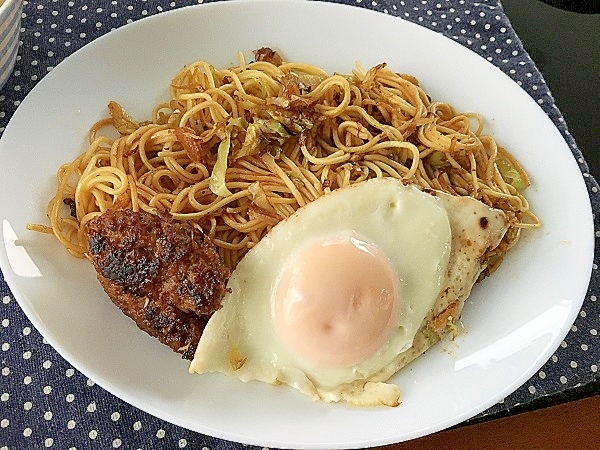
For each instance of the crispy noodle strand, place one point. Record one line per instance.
(276, 137)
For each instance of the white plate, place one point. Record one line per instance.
(514, 320)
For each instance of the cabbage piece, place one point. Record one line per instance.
(217, 184)
(273, 129)
(261, 136)
(437, 159)
(121, 119)
(259, 196)
(261, 208)
(511, 175)
(252, 143)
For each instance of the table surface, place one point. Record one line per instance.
(563, 43)
(45, 402)
(568, 425)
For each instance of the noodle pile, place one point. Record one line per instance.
(237, 150)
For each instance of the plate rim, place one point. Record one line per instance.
(219, 5)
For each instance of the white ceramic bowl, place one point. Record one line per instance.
(10, 25)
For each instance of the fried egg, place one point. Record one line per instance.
(336, 298)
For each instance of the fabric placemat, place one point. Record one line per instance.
(45, 403)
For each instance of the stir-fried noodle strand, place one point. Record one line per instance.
(237, 150)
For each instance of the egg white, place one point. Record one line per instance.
(409, 226)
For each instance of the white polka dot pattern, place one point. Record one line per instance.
(45, 403)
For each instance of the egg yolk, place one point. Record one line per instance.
(336, 303)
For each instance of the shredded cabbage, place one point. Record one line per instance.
(259, 196)
(273, 128)
(122, 121)
(251, 143)
(510, 174)
(269, 130)
(436, 159)
(217, 184)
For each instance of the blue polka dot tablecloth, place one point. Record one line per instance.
(46, 403)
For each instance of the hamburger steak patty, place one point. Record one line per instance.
(163, 274)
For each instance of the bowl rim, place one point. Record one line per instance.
(5, 5)
(10, 30)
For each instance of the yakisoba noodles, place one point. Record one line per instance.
(237, 150)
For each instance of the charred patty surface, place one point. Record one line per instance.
(165, 275)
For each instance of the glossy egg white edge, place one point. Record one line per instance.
(513, 321)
